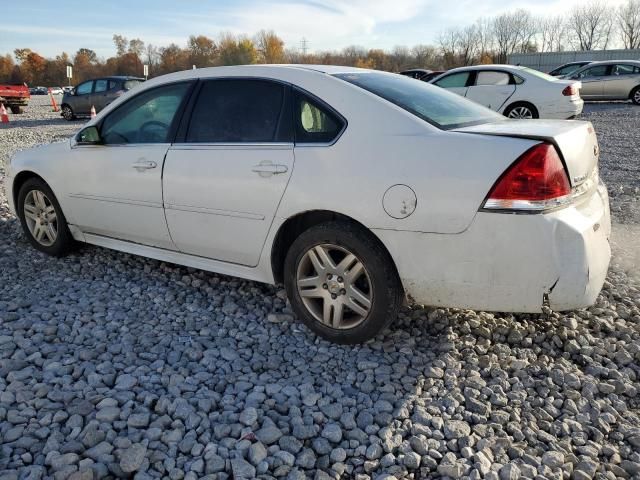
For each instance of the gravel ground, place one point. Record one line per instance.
(115, 365)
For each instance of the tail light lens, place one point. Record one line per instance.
(536, 181)
(570, 90)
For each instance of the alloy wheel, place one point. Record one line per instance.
(521, 113)
(636, 97)
(67, 113)
(334, 286)
(40, 216)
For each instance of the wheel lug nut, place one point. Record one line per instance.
(334, 296)
(343, 291)
(329, 276)
(325, 286)
(340, 279)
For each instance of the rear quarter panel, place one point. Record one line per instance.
(383, 145)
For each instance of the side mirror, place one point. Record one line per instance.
(88, 136)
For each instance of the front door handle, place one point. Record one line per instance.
(144, 165)
(266, 169)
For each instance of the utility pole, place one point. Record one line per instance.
(304, 45)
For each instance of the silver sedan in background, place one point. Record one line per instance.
(610, 80)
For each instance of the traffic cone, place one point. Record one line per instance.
(4, 118)
(53, 101)
(93, 111)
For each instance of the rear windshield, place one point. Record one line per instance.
(433, 104)
(129, 84)
(538, 73)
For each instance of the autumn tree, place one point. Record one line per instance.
(270, 47)
(6, 67)
(236, 51)
(121, 43)
(202, 51)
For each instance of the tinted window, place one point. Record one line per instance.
(454, 80)
(84, 88)
(231, 111)
(597, 71)
(315, 123)
(145, 118)
(625, 70)
(492, 78)
(114, 84)
(435, 105)
(567, 69)
(101, 86)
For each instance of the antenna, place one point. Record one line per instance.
(304, 45)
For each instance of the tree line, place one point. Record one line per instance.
(590, 25)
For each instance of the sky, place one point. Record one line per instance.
(50, 27)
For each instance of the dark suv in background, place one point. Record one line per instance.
(97, 93)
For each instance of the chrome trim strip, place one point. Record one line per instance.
(233, 146)
(125, 201)
(213, 211)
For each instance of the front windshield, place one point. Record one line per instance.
(433, 104)
(538, 73)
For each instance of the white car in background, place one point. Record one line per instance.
(355, 188)
(516, 92)
(56, 90)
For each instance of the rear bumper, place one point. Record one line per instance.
(510, 262)
(562, 110)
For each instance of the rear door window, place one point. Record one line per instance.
(492, 78)
(455, 80)
(239, 111)
(101, 86)
(113, 84)
(625, 69)
(129, 84)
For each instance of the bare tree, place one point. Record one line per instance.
(484, 35)
(553, 31)
(591, 25)
(467, 44)
(513, 32)
(448, 42)
(425, 56)
(628, 16)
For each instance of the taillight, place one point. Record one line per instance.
(536, 181)
(570, 90)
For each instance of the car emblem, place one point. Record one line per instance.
(596, 150)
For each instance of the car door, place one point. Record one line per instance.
(224, 179)
(456, 82)
(115, 187)
(82, 98)
(491, 88)
(621, 80)
(99, 97)
(593, 79)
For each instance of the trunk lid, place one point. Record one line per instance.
(575, 141)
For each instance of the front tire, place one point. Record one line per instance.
(521, 111)
(635, 95)
(67, 113)
(42, 219)
(16, 109)
(342, 283)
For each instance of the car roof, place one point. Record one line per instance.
(422, 70)
(498, 66)
(614, 62)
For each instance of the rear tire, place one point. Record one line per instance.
(348, 295)
(16, 109)
(67, 113)
(42, 219)
(522, 111)
(635, 95)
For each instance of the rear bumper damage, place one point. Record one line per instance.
(510, 262)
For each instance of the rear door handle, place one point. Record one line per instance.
(266, 169)
(144, 165)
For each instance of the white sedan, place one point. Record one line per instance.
(355, 188)
(516, 92)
